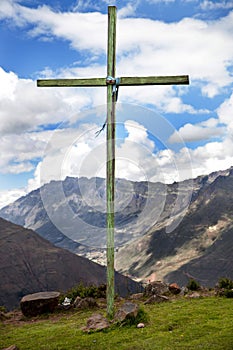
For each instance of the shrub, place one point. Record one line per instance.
(193, 285)
(3, 309)
(225, 283)
(228, 293)
(87, 291)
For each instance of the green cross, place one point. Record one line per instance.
(112, 85)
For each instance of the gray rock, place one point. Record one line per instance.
(96, 322)
(126, 311)
(86, 303)
(39, 303)
(194, 295)
(77, 300)
(156, 299)
(156, 287)
(174, 288)
(184, 291)
(12, 347)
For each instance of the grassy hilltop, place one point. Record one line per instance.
(204, 323)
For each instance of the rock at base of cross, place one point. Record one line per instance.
(126, 311)
(39, 303)
(96, 322)
(12, 347)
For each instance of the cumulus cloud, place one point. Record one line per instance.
(198, 132)
(202, 49)
(23, 106)
(215, 5)
(225, 114)
(9, 196)
(18, 151)
(145, 46)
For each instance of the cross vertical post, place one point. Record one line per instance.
(112, 83)
(110, 168)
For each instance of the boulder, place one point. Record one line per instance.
(96, 322)
(156, 299)
(126, 311)
(156, 288)
(39, 303)
(174, 288)
(86, 303)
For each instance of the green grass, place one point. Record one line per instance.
(205, 323)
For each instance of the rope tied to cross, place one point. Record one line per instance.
(115, 82)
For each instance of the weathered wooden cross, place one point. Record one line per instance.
(112, 84)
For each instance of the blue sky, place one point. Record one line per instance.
(165, 133)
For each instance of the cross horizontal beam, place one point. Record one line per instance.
(124, 81)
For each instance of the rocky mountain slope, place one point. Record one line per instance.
(160, 228)
(200, 247)
(29, 264)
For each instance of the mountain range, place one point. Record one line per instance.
(199, 248)
(168, 232)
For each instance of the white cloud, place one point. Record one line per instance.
(19, 150)
(225, 113)
(215, 5)
(23, 106)
(202, 49)
(197, 132)
(159, 1)
(9, 196)
(128, 10)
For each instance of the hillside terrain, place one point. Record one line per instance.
(166, 232)
(29, 264)
(199, 248)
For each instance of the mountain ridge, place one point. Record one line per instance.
(145, 249)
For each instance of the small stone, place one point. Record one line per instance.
(136, 296)
(77, 300)
(87, 303)
(194, 295)
(140, 325)
(184, 291)
(12, 347)
(156, 299)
